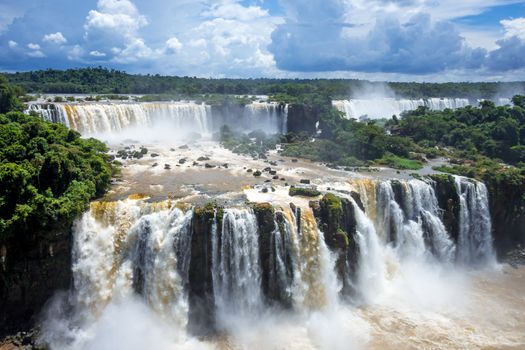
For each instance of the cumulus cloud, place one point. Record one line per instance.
(337, 36)
(121, 16)
(371, 39)
(55, 38)
(75, 53)
(234, 10)
(96, 53)
(511, 49)
(514, 27)
(33, 46)
(36, 54)
(173, 44)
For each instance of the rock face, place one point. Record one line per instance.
(448, 201)
(266, 221)
(302, 118)
(507, 209)
(200, 289)
(336, 219)
(31, 271)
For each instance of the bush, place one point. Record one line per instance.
(48, 174)
(399, 163)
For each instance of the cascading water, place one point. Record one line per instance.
(377, 108)
(408, 216)
(475, 237)
(236, 268)
(135, 250)
(97, 118)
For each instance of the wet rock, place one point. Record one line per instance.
(154, 165)
(182, 161)
(209, 166)
(203, 158)
(167, 166)
(275, 177)
(273, 172)
(305, 181)
(294, 160)
(257, 173)
(153, 155)
(515, 257)
(183, 147)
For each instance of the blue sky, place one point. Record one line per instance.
(403, 40)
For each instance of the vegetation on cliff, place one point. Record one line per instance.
(48, 173)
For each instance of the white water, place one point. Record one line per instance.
(131, 262)
(475, 237)
(377, 108)
(236, 268)
(161, 118)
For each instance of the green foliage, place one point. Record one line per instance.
(399, 163)
(104, 81)
(48, 174)
(495, 132)
(8, 97)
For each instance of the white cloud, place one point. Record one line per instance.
(197, 43)
(121, 16)
(33, 46)
(36, 54)
(12, 44)
(76, 53)
(135, 50)
(514, 27)
(234, 10)
(97, 53)
(173, 44)
(55, 38)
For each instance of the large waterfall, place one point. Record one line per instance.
(249, 259)
(109, 117)
(376, 108)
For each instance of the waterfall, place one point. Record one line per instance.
(408, 215)
(262, 262)
(236, 267)
(315, 284)
(475, 236)
(92, 118)
(268, 116)
(95, 118)
(377, 108)
(371, 270)
(128, 245)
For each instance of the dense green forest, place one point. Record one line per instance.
(105, 81)
(48, 174)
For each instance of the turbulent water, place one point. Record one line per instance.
(376, 108)
(113, 118)
(274, 282)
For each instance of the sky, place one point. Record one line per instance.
(395, 40)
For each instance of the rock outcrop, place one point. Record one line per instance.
(32, 269)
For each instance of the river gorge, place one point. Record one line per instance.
(190, 250)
